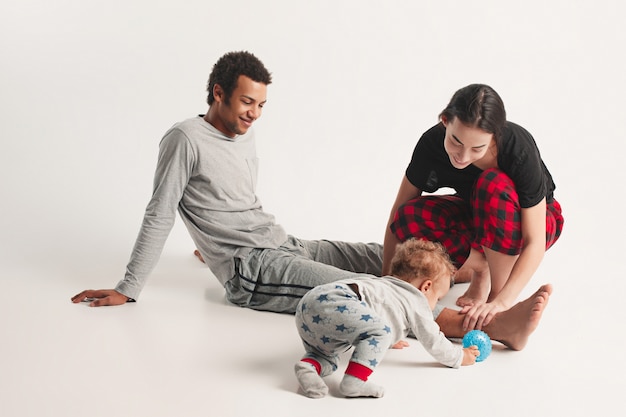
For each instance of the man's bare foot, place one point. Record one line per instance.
(198, 255)
(478, 290)
(513, 327)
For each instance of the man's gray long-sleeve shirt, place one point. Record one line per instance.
(211, 180)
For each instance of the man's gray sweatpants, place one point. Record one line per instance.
(276, 279)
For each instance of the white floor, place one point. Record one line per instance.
(183, 351)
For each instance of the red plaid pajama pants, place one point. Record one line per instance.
(492, 219)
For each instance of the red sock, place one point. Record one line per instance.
(313, 362)
(359, 371)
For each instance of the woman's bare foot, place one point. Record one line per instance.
(513, 327)
(478, 290)
(463, 275)
(198, 255)
(474, 270)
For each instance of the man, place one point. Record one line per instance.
(207, 171)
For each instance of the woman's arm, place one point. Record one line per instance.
(533, 249)
(406, 192)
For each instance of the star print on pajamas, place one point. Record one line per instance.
(342, 309)
(322, 298)
(344, 329)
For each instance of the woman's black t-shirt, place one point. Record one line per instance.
(518, 156)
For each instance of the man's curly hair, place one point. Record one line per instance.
(421, 259)
(230, 66)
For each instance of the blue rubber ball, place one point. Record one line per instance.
(479, 339)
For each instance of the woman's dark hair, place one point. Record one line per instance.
(230, 66)
(477, 105)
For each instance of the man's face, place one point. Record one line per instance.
(236, 114)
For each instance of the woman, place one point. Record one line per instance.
(503, 215)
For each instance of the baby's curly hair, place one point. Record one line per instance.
(230, 66)
(421, 259)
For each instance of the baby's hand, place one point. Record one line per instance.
(469, 355)
(400, 345)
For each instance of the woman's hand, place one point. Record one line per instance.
(481, 314)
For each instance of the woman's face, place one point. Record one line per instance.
(466, 145)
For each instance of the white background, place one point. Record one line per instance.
(87, 88)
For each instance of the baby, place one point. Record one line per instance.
(372, 315)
